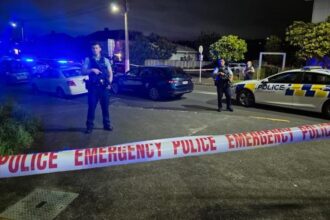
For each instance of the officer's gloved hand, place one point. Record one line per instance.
(96, 71)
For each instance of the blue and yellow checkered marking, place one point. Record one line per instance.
(249, 86)
(308, 90)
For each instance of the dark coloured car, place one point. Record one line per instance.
(14, 71)
(156, 81)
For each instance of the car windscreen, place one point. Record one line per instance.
(72, 73)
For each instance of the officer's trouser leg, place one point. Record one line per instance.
(104, 101)
(220, 95)
(228, 96)
(92, 103)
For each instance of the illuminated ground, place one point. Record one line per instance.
(290, 181)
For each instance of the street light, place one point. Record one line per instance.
(15, 25)
(115, 9)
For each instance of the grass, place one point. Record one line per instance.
(18, 129)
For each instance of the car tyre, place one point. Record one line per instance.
(326, 110)
(245, 98)
(179, 96)
(60, 93)
(154, 94)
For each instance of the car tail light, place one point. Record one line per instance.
(71, 83)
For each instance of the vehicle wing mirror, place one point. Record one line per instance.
(265, 81)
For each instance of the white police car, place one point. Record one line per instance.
(305, 89)
(63, 81)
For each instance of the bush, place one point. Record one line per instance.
(18, 129)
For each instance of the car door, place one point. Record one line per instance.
(132, 80)
(279, 89)
(315, 91)
(41, 80)
(55, 81)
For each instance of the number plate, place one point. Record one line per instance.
(185, 82)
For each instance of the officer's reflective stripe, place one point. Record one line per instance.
(250, 86)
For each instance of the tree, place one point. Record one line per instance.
(151, 47)
(229, 48)
(310, 40)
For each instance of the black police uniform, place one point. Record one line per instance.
(223, 87)
(248, 73)
(97, 86)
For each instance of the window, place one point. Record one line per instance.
(316, 78)
(146, 73)
(290, 77)
(134, 72)
(159, 72)
(45, 74)
(72, 73)
(54, 74)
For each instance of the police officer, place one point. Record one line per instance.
(98, 84)
(223, 77)
(249, 71)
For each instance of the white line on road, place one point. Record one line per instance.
(205, 92)
(194, 131)
(270, 119)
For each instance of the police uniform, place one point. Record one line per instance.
(98, 91)
(223, 85)
(248, 72)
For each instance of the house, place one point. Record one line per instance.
(184, 53)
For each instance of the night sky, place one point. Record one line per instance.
(176, 19)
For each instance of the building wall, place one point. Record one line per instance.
(187, 56)
(321, 10)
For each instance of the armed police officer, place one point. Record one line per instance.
(98, 84)
(223, 77)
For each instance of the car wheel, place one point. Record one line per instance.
(154, 94)
(326, 109)
(179, 96)
(35, 89)
(245, 98)
(115, 88)
(60, 93)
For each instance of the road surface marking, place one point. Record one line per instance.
(270, 119)
(204, 92)
(194, 131)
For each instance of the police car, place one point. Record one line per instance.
(305, 89)
(63, 81)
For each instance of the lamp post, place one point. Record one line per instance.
(115, 9)
(15, 25)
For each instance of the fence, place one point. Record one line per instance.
(176, 63)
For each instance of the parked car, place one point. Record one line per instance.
(305, 89)
(237, 67)
(13, 71)
(62, 81)
(155, 81)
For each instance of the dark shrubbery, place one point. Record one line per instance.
(18, 129)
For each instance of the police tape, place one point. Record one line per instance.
(139, 152)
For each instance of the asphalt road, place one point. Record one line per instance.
(287, 182)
